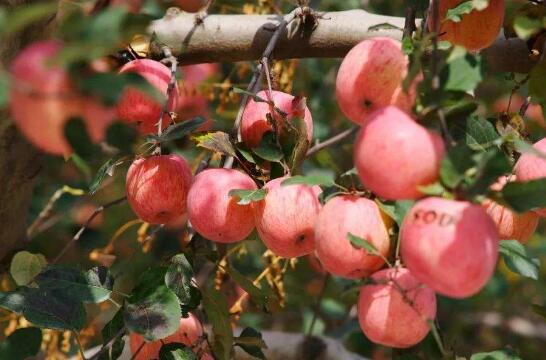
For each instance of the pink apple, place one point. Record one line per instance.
(395, 309)
(371, 76)
(141, 109)
(531, 167)
(361, 217)
(286, 218)
(188, 334)
(394, 155)
(254, 122)
(157, 188)
(42, 97)
(213, 213)
(451, 246)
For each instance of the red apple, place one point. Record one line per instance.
(510, 224)
(42, 97)
(371, 76)
(531, 167)
(451, 246)
(254, 122)
(394, 155)
(139, 108)
(189, 332)
(476, 30)
(286, 218)
(157, 188)
(395, 309)
(361, 217)
(213, 213)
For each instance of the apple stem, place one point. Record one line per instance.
(171, 60)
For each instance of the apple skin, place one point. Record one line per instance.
(157, 188)
(510, 224)
(42, 97)
(371, 76)
(392, 143)
(531, 167)
(213, 213)
(393, 311)
(254, 122)
(286, 217)
(441, 236)
(188, 333)
(192, 102)
(476, 30)
(361, 217)
(190, 5)
(136, 107)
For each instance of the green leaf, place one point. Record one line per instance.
(537, 90)
(176, 351)
(53, 310)
(268, 149)
(13, 301)
(4, 88)
(384, 26)
(121, 136)
(539, 310)
(21, 344)
(93, 286)
(25, 266)
(480, 134)
(490, 166)
(525, 196)
(251, 342)
(505, 354)
(311, 180)
(77, 136)
(248, 196)
(262, 297)
(361, 243)
(526, 27)
(216, 308)
(455, 164)
(113, 327)
(107, 169)
(177, 131)
(396, 211)
(216, 141)
(25, 15)
(293, 139)
(152, 310)
(463, 70)
(455, 14)
(178, 278)
(516, 259)
(434, 189)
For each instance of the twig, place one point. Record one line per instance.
(333, 140)
(409, 25)
(138, 350)
(316, 310)
(525, 106)
(76, 237)
(109, 344)
(171, 59)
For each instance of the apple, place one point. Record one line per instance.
(371, 76)
(394, 155)
(138, 108)
(476, 30)
(213, 213)
(285, 218)
(188, 333)
(531, 167)
(395, 308)
(254, 123)
(451, 246)
(356, 215)
(157, 188)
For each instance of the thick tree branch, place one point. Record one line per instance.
(233, 38)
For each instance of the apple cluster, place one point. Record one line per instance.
(448, 246)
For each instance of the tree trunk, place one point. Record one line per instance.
(19, 161)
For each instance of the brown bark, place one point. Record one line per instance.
(228, 38)
(19, 161)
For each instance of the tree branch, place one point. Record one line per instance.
(231, 38)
